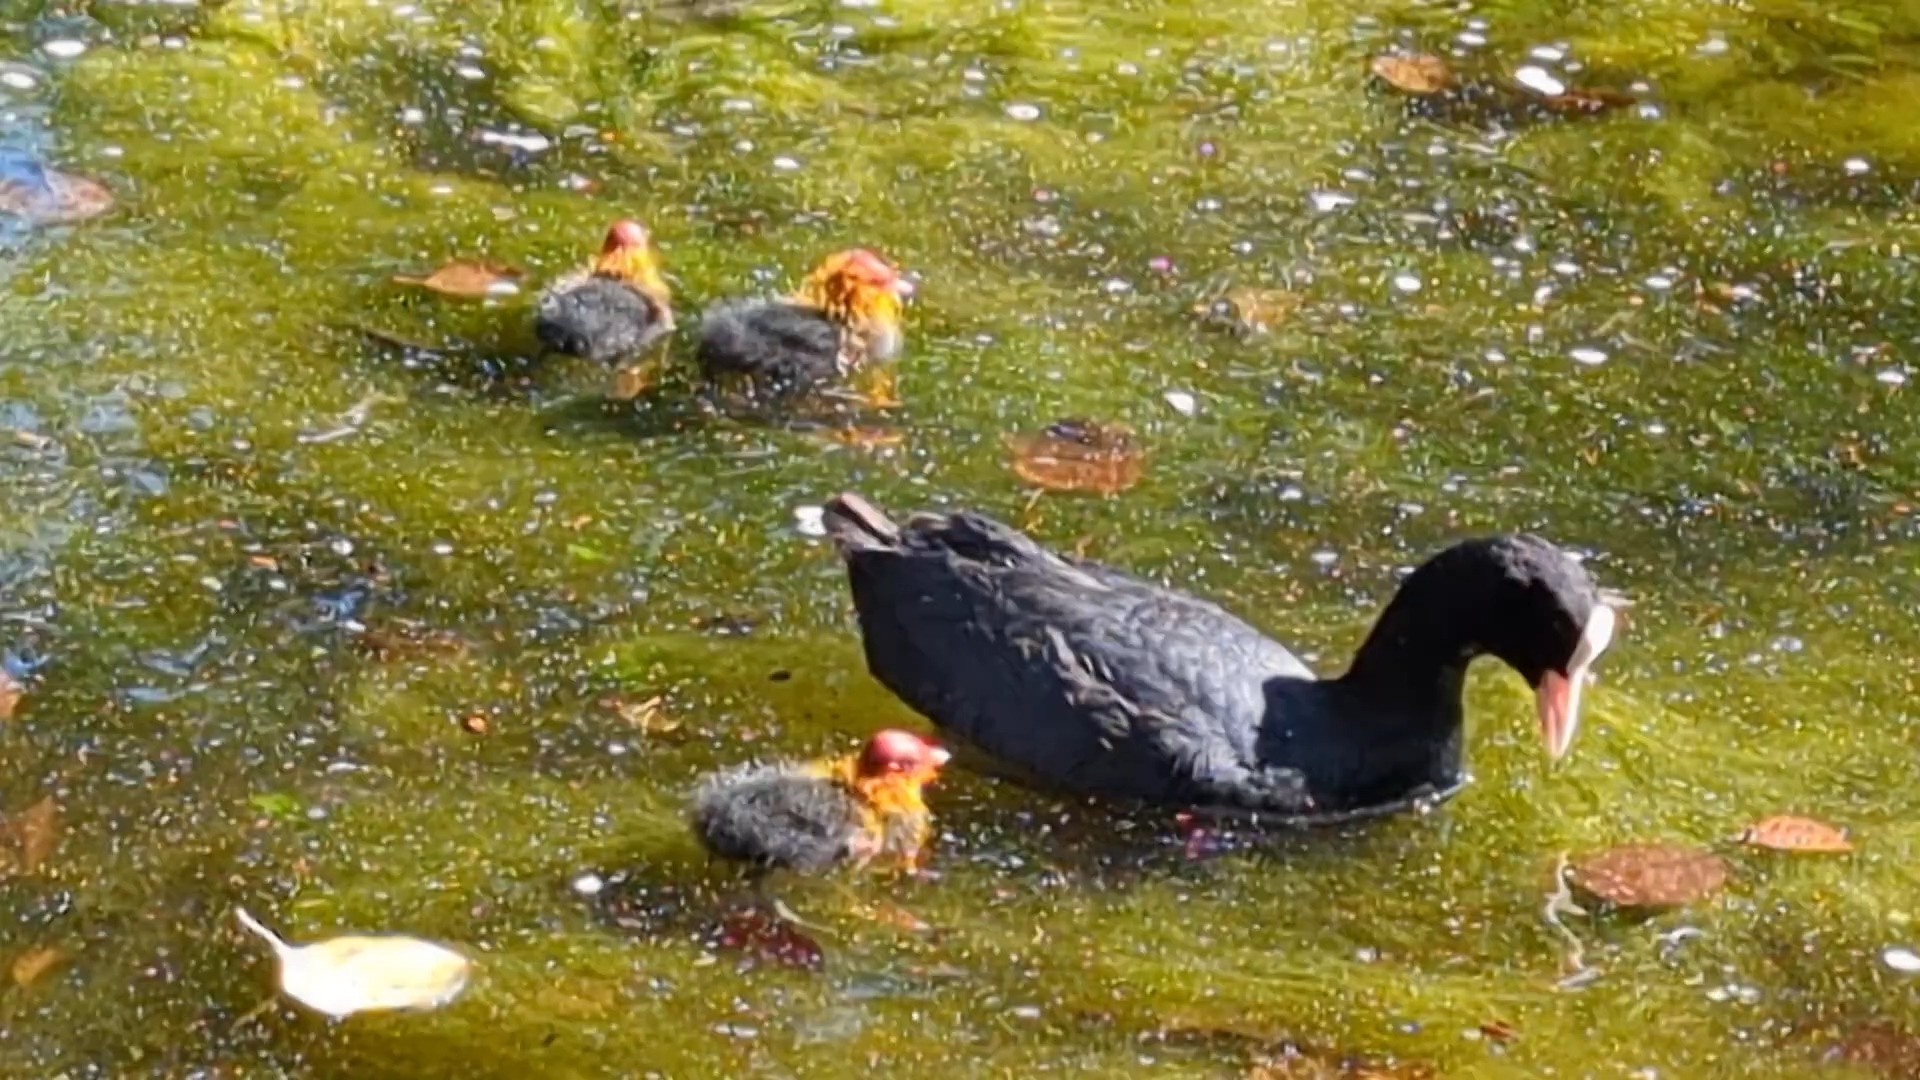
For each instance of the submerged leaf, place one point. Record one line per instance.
(28, 837)
(275, 804)
(10, 693)
(345, 975)
(1589, 102)
(1249, 310)
(46, 196)
(893, 915)
(1419, 74)
(764, 935)
(468, 278)
(1078, 455)
(30, 965)
(867, 437)
(1783, 832)
(649, 715)
(1651, 875)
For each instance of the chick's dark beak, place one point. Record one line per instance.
(1557, 699)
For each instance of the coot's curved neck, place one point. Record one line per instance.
(1416, 656)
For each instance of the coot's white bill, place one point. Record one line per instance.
(1558, 698)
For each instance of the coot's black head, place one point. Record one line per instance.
(1534, 606)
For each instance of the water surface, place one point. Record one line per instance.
(268, 568)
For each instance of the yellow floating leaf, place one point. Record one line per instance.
(346, 975)
(468, 278)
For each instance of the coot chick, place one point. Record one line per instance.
(1089, 680)
(845, 319)
(612, 310)
(810, 816)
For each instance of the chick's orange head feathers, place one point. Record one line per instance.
(893, 752)
(627, 254)
(857, 287)
(625, 233)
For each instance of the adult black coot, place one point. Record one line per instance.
(613, 309)
(1090, 680)
(845, 319)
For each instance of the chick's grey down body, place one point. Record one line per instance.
(601, 319)
(773, 816)
(782, 347)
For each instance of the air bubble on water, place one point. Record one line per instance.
(1901, 959)
(1539, 80)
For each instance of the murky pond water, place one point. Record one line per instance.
(356, 634)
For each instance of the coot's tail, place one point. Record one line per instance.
(857, 525)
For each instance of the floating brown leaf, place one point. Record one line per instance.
(10, 693)
(1078, 455)
(467, 278)
(1783, 832)
(1418, 74)
(1651, 875)
(30, 965)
